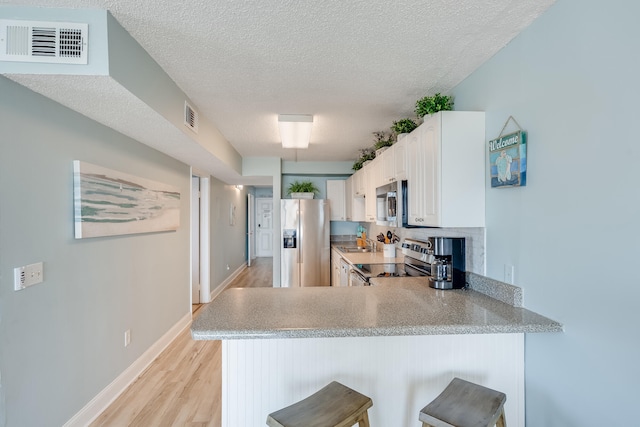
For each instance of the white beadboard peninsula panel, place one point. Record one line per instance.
(400, 374)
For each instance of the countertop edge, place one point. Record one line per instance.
(379, 331)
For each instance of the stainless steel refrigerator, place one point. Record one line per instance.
(304, 232)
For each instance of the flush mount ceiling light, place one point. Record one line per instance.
(295, 130)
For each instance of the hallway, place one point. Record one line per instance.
(182, 387)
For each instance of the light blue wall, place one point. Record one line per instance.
(61, 341)
(317, 168)
(571, 81)
(228, 242)
(263, 192)
(344, 228)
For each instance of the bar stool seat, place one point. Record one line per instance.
(335, 405)
(465, 404)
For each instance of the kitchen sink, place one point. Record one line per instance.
(350, 249)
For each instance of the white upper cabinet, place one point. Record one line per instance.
(372, 175)
(354, 204)
(400, 159)
(336, 197)
(388, 166)
(348, 199)
(445, 170)
(358, 183)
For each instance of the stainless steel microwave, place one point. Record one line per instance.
(388, 205)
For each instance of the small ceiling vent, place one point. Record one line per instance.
(48, 42)
(190, 117)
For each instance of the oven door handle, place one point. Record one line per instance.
(358, 278)
(414, 271)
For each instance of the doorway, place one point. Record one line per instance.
(264, 229)
(251, 252)
(195, 240)
(200, 271)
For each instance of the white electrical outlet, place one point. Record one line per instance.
(509, 273)
(28, 275)
(127, 337)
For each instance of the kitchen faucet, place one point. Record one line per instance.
(372, 243)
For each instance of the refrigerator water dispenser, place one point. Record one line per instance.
(289, 238)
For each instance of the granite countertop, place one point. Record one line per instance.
(369, 257)
(397, 307)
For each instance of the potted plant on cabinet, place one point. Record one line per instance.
(366, 155)
(302, 190)
(403, 127)
(433, 104)
(382, 142)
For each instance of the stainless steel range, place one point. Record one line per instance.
(442, 259)
(361, 273)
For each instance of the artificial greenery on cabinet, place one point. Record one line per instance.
(433, 104)
(382, 139)
(403, 126)
(302, 187)
(366, 154)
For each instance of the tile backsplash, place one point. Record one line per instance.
(475, 240)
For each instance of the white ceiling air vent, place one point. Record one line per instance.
(49, 42)
(190, 117)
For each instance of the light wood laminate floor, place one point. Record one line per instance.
(182, 387)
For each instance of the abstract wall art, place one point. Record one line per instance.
(109, 203)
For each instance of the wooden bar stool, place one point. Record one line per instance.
(465, 404)
(332, 406)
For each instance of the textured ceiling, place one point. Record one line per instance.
(356, 65)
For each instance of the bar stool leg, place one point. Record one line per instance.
(364, 420)
(502, 421)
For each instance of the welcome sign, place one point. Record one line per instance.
(508, 160)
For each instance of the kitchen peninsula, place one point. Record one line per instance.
(400, 343)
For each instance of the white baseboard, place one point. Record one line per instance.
(98, 404)
(222, 286)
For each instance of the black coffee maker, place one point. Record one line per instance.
(448, 264)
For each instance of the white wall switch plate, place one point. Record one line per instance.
(28, 275)
(127, 337)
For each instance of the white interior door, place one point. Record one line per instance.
(264, 229)
(195, 240)
(251, 253)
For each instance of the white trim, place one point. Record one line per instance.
(205, 244)
(102, 400)
(222, 286)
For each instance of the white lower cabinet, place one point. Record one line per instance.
(335, 267)
(446, 170)
(340, 269)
